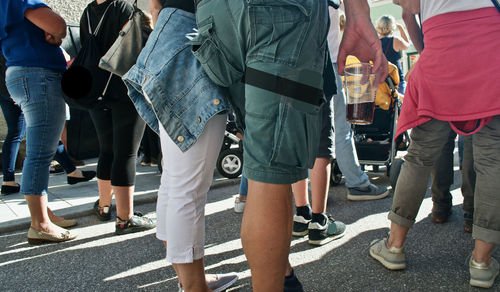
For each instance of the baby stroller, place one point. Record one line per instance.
(374, 143)
(230, 160)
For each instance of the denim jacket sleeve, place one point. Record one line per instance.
(168, 85)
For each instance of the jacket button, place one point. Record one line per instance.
(216, 101)
(144, 79)
(198, 119)
(180, 139)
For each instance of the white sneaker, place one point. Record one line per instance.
(239, 205)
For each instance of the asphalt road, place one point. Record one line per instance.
(100, 261)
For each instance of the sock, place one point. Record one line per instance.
(319, 217)
(304, 211)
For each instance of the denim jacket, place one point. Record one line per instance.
(168, 84)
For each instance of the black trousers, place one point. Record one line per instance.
(119, 129)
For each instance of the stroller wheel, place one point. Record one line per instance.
(230, 163)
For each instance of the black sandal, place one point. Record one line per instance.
(103, 213)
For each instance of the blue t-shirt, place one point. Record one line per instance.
(22, 42)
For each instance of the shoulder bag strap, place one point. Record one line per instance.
(100, 21)
(497, 4)
(77, 49)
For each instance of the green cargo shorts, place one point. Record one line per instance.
(277, 49)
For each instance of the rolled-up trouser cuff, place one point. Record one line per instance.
(400, 220)
(486, 235)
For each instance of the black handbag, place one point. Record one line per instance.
(84, 83)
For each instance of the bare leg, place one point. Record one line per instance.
(192, 276)
(40, 220)
(105, 192)
(75, 173)
(320, 184)
(124, 197)
(300, 193)
(482, 251)
(266, 233)
(53, 217)
(397, 235)
(10, 183)
(288, 269)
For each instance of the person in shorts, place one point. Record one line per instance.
(277, 48)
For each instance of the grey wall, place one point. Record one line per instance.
(71, 10)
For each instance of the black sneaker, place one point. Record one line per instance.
(300, 225)
(321, 234)
(103, 213)
(136, 223)
(292, 284)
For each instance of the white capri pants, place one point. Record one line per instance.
(185, 182)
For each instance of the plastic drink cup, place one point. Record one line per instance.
(360, 92)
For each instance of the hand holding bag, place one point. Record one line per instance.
(124, 52)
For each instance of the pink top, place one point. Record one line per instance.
(457, 77)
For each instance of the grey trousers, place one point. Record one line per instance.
(427, 144)
(442, 177)
(468, 176)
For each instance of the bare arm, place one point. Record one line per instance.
(413, 30)
(361, 40)
(154, 8)
(402, 32)
(401, 43)
(50, 22)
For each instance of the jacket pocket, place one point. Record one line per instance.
(208, 49)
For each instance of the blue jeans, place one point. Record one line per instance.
(243, 184)
(345, 152)
(402, 86)
(15, 132)
(63, 158)
(38, 92)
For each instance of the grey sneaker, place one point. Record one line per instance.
(321, 234)
(481, 274)
(300, 226)
(370, 192)
(392, 258)
(223, 282)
